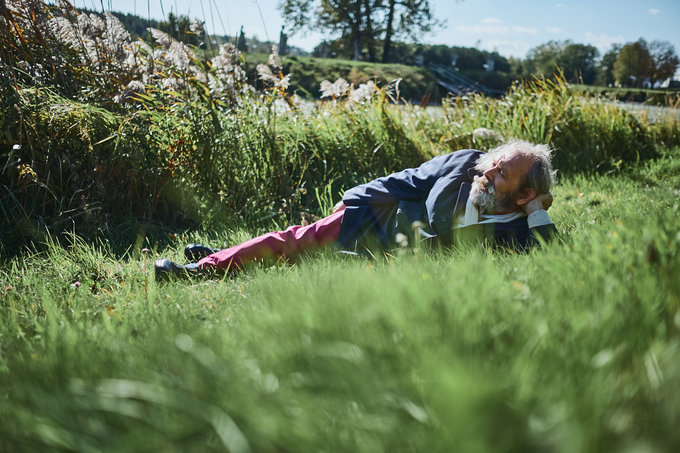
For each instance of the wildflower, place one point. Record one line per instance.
(133, 58)
(274, 60)
(179, 55)
(171, 83)
(296, 100)
(335, 89)
(326, 89)
(265, 74)
(341, 86)
(283, 82)
(160, 37)
(227, 68)
(117, 37)
(364, 92)
(136, 86)
(196, 27)
(226, 59)
(199, 75)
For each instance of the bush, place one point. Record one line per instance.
(589, 135)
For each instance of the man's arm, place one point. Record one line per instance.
(411, 184)
(540, 223)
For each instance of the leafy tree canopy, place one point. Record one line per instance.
(576, 61)
(362, 23)
(633, 64)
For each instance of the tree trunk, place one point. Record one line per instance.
(370, 39)
(356, 30)
(387, 45)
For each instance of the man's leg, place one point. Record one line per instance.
(289, 242)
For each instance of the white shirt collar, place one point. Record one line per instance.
(472, 217)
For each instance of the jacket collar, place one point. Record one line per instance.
(461, 201)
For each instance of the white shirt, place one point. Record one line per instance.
(471, 217)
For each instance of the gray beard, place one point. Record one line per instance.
(484, 197)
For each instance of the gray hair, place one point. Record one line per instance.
(540, 176)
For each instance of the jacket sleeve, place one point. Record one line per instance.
(412, 184)
(541, 227)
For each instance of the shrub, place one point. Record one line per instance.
(589, 134)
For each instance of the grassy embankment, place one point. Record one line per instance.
(308, 72)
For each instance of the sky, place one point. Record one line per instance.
(511, 28)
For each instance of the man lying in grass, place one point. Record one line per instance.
(501, 195)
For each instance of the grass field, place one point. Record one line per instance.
(107, 145)
(573, 347)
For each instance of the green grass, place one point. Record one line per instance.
(573, 347)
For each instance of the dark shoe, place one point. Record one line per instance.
(166, 269)
(194, 252)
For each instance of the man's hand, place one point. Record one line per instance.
(543, 201)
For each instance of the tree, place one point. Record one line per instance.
(542, 59)
(577, 62)
(348, 17)
(634, 64)
(415, 17)
(665, 61)
(605, 70)
(362, 22)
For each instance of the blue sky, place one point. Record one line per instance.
(509, 27)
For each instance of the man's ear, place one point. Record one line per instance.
(526, 196)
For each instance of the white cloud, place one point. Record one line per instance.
(507, 47)
(495, 28)
(491, 20)
(527, 30)
(554, 29)
(602, 41)
(653, 11)
(559, 5)
(483, 29)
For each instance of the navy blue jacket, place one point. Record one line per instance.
(434, 194)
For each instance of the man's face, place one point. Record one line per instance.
(497, 190)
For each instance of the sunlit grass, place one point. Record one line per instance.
(573, 347)
(570, 347)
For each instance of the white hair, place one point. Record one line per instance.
(539, 177)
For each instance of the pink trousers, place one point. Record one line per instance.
(288, 243)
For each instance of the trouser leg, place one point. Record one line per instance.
(289, 242)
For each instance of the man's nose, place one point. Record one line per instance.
(491, 172)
